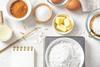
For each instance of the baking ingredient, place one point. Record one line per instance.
(57, 1)
(59, 20)
(43, 13)
(5, 32)
(67, 22)
(63, 23)
(61, 28)
(73, 5)
(61, 55)
(19, 9)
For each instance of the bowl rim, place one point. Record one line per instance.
(87, 23)
(62, 4)
(73, 23)
(19, 19)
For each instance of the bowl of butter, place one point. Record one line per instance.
(63, 23)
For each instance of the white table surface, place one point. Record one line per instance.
(92, 46)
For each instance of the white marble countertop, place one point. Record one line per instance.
(92, 46)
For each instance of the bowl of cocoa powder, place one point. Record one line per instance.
(19, 9)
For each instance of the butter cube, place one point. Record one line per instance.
(67, 22)
(61, 28)
(60, 20)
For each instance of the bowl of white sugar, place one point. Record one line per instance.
(42, 13)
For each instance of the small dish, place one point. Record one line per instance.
(39, 11)
(71, 22)
(91, 24)
(27, 2)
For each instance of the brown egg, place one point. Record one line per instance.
(73, 5)
(56, 1)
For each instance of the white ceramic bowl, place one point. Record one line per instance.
(18, 19)
(72, 21)
(68, 40)
(37, 18)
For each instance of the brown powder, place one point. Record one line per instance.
(18, 9)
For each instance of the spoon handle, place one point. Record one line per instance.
(1, 17)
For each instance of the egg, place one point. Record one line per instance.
(73, 5)
(57, 1)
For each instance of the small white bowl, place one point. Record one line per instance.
(63, 14)
(14, 18)
(66, 40)
(50, 10)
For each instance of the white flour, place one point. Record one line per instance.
(63, 55)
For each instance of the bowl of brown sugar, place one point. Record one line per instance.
(19, 9)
